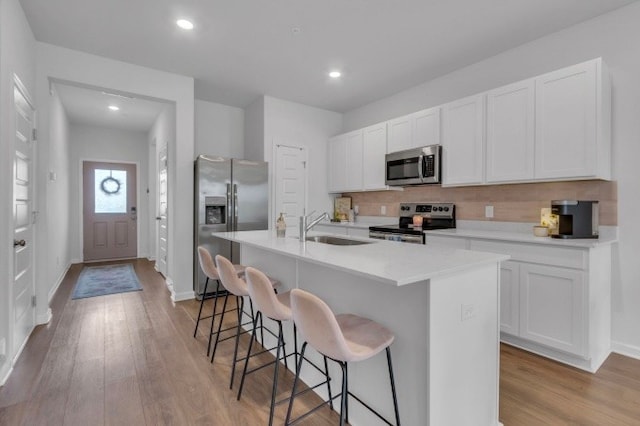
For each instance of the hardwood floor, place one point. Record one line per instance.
(130, 359)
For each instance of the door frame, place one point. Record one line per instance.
(272, 209)
(81, 201)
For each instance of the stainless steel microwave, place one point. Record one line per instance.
(415, 166)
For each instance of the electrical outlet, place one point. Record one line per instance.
(467, 312)
(488, 212)
(356, 209)
(383, 210)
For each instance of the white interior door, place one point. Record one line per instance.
(110, 215)
(290, 185)
(161, 217)
(22, 286)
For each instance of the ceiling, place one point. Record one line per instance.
(91, 106)
(242, 49)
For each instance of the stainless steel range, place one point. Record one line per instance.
(425, 216)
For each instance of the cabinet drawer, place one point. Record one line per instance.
(568, 257)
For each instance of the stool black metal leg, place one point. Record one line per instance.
(206, 282)
(393, 387)
(240, 304)
(343, 398)
(213, 315)
(224, 309)
(295, 383)
(274, 389)
(326, 372)
(246, 360)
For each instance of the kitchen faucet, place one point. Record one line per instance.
(304, 228)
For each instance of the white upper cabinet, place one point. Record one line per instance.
(421, 128)
(374, 148)
(354, 160)
(573, 123)
(400, 134)
(463, 141)
(510, 133)
(337, 164)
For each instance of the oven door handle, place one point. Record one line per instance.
(412, 239)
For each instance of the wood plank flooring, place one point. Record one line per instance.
(130, 359)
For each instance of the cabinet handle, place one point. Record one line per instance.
(20, 243)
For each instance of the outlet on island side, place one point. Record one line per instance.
(488, 212)
(383, 210)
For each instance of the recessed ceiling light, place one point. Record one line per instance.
(114, 108)
(335, 74)
(184, 24)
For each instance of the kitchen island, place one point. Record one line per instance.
(442, 306)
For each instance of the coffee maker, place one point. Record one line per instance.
(576, 219)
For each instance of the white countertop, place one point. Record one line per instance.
(522, 237)
(361, 223)
(390, 262)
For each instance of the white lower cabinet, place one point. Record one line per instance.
(509, 297)
(555, 300)
(552, 307)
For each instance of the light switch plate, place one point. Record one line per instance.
(488, 211)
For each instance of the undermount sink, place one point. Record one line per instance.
(336, 241)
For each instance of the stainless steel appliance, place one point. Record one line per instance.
(414, 166)
(576, 219)
(430, 215)
(230, 195)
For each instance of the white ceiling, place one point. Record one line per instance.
(241, 49)
(91, 106)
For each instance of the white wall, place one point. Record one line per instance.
(58, 216)
(616, 38)
(254, 130)
(295, 124)
(62, 64)
(17, 47)
(161, 135)
(219, 130)
(95, 143)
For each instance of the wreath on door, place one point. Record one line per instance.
(110, 185)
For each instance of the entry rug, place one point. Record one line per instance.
(102, 280)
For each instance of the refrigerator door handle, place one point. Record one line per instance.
(229, 207)
(235, 207)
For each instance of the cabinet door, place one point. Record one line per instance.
(337, 164)
(509, 297)
(374, 148)
(510, 137)
(354, 161)
(426, 127)
(463, 141)
(566, 114)
(552, 307)
(400, 134)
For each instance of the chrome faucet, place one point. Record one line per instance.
(304, 227)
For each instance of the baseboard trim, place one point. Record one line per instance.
(626, 350)
(54, 289)
(179, 297)
(44, 318)
(4, 377)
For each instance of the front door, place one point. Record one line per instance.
(290, 185)
(23, 290)
(110, 226)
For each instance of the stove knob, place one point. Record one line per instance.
(440, 208)
(446, 209)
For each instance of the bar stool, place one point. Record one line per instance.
(210, 271)
(343, 338)
(276, 307)
(237, 287)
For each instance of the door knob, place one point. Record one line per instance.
(20, 243)
(158, 218)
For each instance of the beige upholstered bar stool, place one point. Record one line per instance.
(343, 338)
(210, 271)
(238, 287)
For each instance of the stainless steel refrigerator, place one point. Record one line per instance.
(230, 195)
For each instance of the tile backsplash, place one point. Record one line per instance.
(511, 203)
